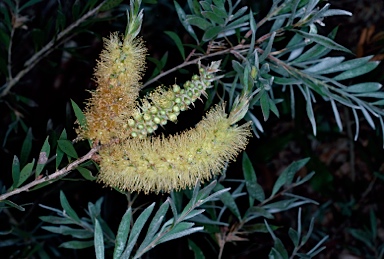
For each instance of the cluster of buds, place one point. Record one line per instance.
(163, 105)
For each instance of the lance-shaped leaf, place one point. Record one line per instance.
(136, 229)
(286, 177)
(322, 40)
(122, 233)
(67, 208)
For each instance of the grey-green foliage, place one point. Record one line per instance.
(369, 236)
(203, 210)
(301, 67)
(93, 230)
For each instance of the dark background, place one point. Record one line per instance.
(344, 185)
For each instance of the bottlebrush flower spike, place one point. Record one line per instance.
(164, 164)
(117, 75)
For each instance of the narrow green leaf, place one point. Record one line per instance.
(180, 230)
(198, 21)
(377, 95)
(256, 228)
(293, 236)
(214, 18)
(67, 208)
(337, 115)
(194, 6)
(67, 147)
(286, 177)
(316, 51)
(362, 236)
(26, 147)
(368, 67)
(159, 64)
(182, 18)
(279, 246)
(220, 12)
(205, 5)
(14, 205)
(248, 171)
(28, 4)
(256, 191)
(60, 20)
(368, 117)
(196, 250)
(99, 241)
(322, 40)
(65, 230)
(177, 41)
(228, 201)
(211, 33)
(59, 152)
(87, 174)
(122, 234)
(324, 64)
(268, 48)
(203, 193)
(333, 12)
(25, 173)
(155, 225)
(264, 103)
(363, 87)
(239, 13)
(310, 114)
(348, 65)
(15, 171)
(43, 157)
(79, 114)
(256, 212)
(56, 220)
(373, 222)
(77, 244)
(76, 10)
(136, 229)
(109, 4)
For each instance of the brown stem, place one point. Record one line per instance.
(53, 176)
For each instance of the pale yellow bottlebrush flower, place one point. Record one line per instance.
(118, 73)
(159, 164)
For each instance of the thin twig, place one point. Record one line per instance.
(31, 62)
(194, 61)
(53, 176)
(9, 65)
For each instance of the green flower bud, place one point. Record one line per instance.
(176, 88)
(172, 117)
(153, 110)
(147, 117)
(131, 122)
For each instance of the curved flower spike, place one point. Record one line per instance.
(159, 164)
(117, 74)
